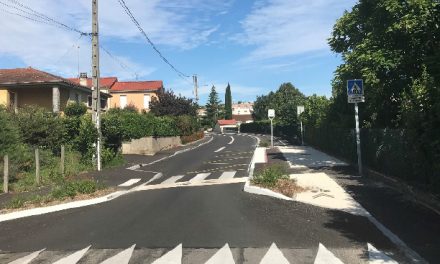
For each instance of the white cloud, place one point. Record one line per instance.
(279, 28)
(168, 23)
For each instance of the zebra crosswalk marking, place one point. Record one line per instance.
(28, 258)
(121, 258)
(274, 255)
(73, 258)
(172, 179)
(227, 175)
(129, 182)
(324, 256)
(199, 177)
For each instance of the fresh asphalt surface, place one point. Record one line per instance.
(204, 217)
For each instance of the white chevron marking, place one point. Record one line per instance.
(222, 256)
(120, 258)
(73, 258)
(378, 257)
(171, 257)
(274, 255)
(28, 258)
(324, 256)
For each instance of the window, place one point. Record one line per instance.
(147, 100)
(123, 101)
(89, 101)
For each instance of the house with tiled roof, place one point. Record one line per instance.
(136, 93)
(29, 86)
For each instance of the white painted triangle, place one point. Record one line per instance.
(274, 255)
(324, 256)
(378, 257)
(28, 258)
(171, 257)
(122, 257)
(73, 258)
(222, 256)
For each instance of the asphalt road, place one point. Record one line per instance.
(203, 219)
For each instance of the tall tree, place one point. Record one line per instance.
(228, 103)
(172, 105)
(213, 107)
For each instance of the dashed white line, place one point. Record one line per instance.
(232, 140)
(220, 149)
(129, 182)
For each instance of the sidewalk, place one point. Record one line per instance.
(414, 223)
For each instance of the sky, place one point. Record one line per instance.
(253, 45)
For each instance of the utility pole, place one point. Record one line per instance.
(96, 96)
(196, 88)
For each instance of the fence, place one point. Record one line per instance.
(394, 152)
(9, 175)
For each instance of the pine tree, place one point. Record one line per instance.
(228, 103)
(213, 107)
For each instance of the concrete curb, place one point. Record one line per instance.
(60, 207)
(263, 191)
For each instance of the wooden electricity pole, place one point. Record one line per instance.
(96, 96)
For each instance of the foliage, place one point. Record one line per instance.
(72, 188)
(228, 103)
(213, 108)
(9, 133)
(187, 125)
(40, 128)
(315, 110)
(75, 109)
(270, 175)
(289, 132)
(284, 101)
(191, 138)
(169, 104)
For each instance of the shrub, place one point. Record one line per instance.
(38, 127)
(75, 109)
(196, 136)
(9, 133)
(270, 175)
(73, 188)
(187, 125)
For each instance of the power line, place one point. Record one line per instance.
(118, 61)
(39, 15)
(134, 20)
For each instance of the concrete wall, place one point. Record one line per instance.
(133, 98)
(149, 145)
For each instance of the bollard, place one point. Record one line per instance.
(6, 174)
(37, 166)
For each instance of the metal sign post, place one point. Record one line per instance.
(355, 93)
(271, 115)
(300, 110)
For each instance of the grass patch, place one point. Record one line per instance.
(276, 178)
(264, 143)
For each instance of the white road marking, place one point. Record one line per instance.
(172, 179)
(129, 182)
(199, 177)
(378, 257)
(155, 177)
(324, 256)
(223, 256)
(274, 255)
(28, 258)
(193, 184)
(232, 140)
(220, 149)
(171, 257)
(73, 258)
(228, 175)
(120, 258)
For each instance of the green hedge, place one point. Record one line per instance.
(394, 152)
(289, 132)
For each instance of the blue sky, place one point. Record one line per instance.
(253, 45)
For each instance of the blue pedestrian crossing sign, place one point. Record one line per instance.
(355, 91)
